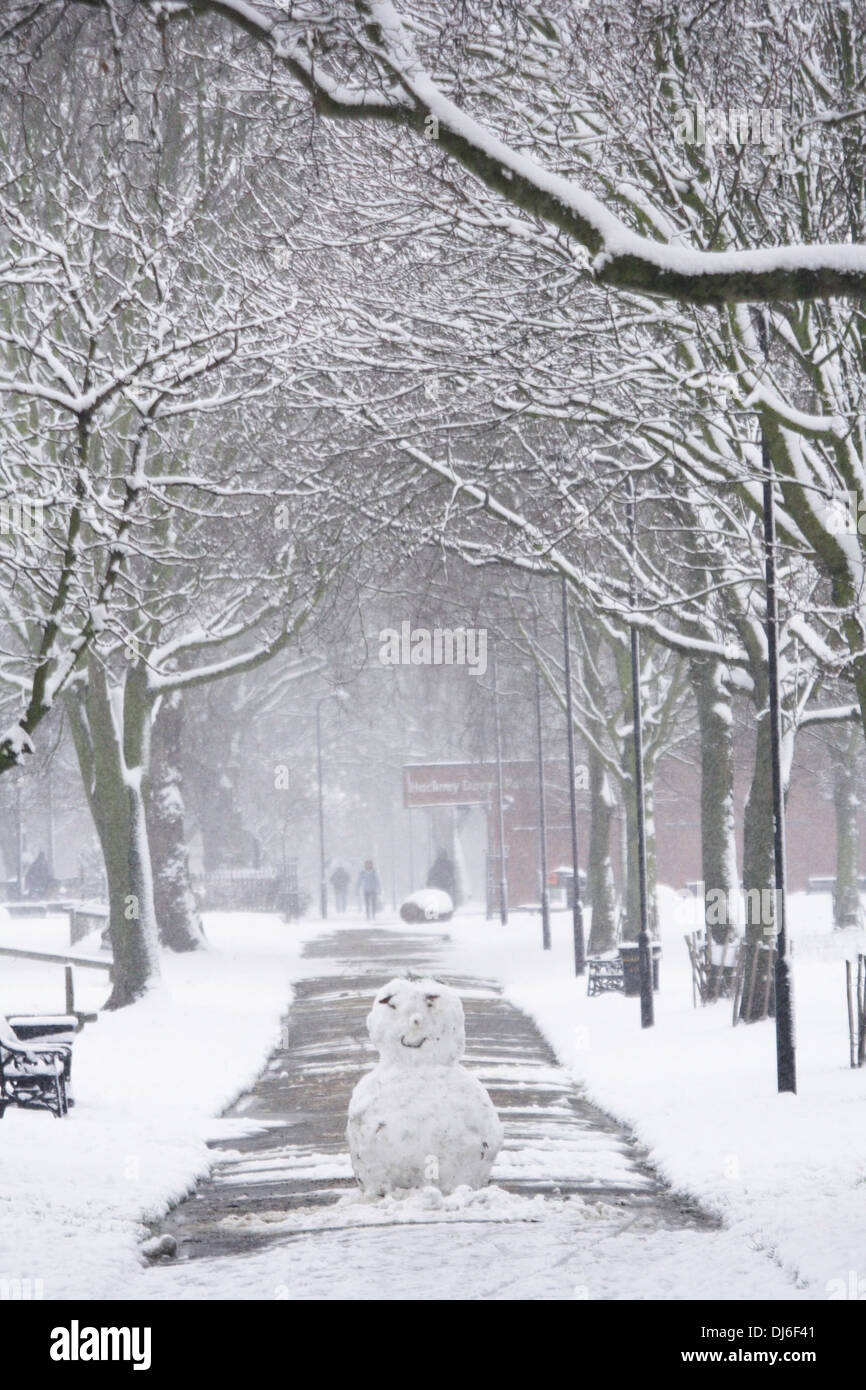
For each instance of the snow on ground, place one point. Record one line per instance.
(786, 1173)
(535, 1249)
(146, 1082)
(569, 1250)
(28, 986)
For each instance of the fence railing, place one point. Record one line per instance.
(753, 990)
(251, 890)
(84, 920)
(714, 967)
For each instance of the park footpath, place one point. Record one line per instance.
(574, 1209)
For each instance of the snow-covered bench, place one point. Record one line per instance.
(604, 974)
(36, 1062)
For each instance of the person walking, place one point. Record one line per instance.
(340, 880)
(38, 880)
(443, 875)
(369, 888)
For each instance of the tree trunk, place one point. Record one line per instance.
(110, 729)
(180, 927)
(631, 925)
(651, 855)
(8, 829)
(226, 843)
(846, 900)
(758, 875)
(602, 891)
(718, 840)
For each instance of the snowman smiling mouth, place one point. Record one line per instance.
(420, 1043)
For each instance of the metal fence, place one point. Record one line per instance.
(252, 890)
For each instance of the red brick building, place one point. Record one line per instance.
(810, 820)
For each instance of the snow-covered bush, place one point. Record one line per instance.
(427, 905)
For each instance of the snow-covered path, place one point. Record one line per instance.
(574, 1213)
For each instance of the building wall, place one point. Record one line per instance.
(810, 828)
(810, 831)
(810, 824)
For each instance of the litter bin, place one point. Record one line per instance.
(562, 882)
(630, 956)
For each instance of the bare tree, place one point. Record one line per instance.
(374, 62)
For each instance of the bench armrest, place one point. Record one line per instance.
(26, 1058)
(17, 1050)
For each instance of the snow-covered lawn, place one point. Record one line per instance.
(147, 1081)
(786, 1173)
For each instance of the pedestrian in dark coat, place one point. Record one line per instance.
(340, 880)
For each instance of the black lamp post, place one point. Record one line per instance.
(323, 884)
(542, 819)
(19, 839)
(576, 905)
(497, 730)
(644, 947)
(786, 1057)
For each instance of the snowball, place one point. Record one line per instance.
(419, 1119)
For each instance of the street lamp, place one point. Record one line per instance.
(576, 905)
(644, 957)
(19, 837)
(337, 694)
(497, 729)
(542, 817)
(786, 1057)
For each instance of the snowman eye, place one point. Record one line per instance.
(431, 999)
(387, 1000)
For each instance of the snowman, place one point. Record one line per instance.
(419, 1118)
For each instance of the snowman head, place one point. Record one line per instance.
(417, 1023)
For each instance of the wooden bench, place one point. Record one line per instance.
(36, 1062)
(603, 975)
